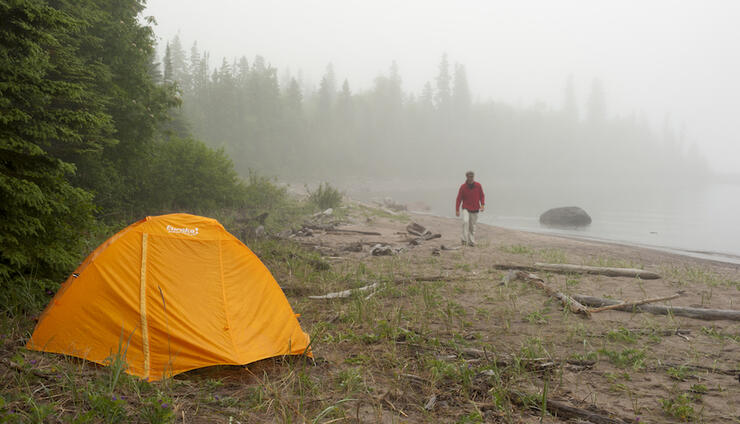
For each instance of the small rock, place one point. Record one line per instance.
(381, 250)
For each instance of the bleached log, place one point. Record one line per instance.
(698, 313)
(608, 271)
(344, 293)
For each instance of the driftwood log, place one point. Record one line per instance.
(698, 313)
(563, 410)
(608, 271)
(566, 300)
(569, 269)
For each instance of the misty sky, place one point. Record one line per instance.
(674, 57)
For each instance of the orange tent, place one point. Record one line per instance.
(171, 293)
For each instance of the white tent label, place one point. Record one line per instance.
(185, 230)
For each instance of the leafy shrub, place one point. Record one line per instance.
(187, 175)
(325, 196)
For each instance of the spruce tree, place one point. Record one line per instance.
(49, 115)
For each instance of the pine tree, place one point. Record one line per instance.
(444, 93)
(49, 114)
(461, 98)
(167, 61)
(327, 93)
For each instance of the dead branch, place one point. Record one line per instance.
(344, 293)
(566, 300)
(12, 365)
(698, 313)
(635, 303)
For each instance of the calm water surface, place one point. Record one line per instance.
(701, 220)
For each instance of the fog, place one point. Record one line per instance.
(674, 62)
(629, 108)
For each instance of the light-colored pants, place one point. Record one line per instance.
(468, 226)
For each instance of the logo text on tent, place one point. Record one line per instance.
(186, 231)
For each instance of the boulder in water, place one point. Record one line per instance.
(569, 216)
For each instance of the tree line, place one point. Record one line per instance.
(279, 124)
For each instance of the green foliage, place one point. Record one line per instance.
(83, 131)
(48, 111)
(679, 407)
(518, 249)
(157, 410)
(110, 408)
(325, 196)
(350, 379)
(622, 335)
(626, 358)
(680, 373)
(186, 175)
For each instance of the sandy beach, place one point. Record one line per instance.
(634, 365)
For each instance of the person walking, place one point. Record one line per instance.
(473, 201)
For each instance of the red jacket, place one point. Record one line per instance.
(471, 198)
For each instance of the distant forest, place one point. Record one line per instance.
(276, 124)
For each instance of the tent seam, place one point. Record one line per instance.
(223, 295)
(142, 307)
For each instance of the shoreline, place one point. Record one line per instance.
(713, 256)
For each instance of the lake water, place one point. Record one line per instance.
(698, 220)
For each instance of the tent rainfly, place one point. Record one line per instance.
(169, 294)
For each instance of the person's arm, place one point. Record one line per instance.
(458, 201)
(482, 199)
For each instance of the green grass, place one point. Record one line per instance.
(517, 249)
(622, 335)
(679, 407)
(685, 275)
(625, 358)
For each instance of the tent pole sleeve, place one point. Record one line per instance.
(142, 307)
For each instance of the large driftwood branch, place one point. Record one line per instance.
(367, 233)
(698, 313)
(568, 269)
(635, 303)
(561, 409)
(566, 300)
(345, 293)
(330, 228)
(608, 271)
